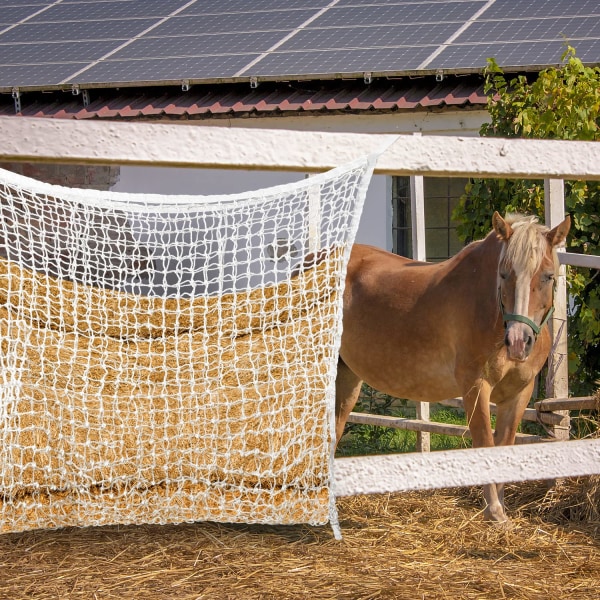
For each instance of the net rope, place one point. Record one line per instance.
(171, 358)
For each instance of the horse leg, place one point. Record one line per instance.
(477, 407)
(508, 416)
(347, 389)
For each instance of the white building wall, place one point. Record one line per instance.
(375, 223)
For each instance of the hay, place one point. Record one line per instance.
(395, 547)
(400, 547)
(570, 500)
(102, 429)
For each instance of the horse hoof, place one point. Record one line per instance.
(506, 525)
(496, 515)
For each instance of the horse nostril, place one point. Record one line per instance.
(529, 341)
(506, 342)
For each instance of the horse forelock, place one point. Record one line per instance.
(527, 245)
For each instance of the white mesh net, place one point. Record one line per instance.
(171, 358)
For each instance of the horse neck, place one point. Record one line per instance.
(478, 269)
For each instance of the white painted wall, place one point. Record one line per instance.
(375, 223)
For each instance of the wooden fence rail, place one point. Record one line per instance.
(543, 413)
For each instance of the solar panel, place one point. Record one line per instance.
(47, 45)
(64, 52)
(199, 45)
(13, 14)
(242, 6)
(340, 61)
(463, 56)
(399, 14)
(23, 76)
(378, 36)
(277, 20)
(29, 3)
(508, 9)
(76, 31)
(118, 9)
(162, 69)
(527, 29)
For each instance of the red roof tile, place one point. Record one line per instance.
(241, 100)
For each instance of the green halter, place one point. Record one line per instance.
(521, 319)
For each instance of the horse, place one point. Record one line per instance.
(475, 325)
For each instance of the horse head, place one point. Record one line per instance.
(527, 270)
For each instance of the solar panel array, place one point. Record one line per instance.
(49, 44)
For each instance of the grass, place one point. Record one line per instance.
(370, 439)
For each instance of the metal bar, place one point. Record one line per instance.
(417, 215)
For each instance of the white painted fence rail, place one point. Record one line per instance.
(462, 468)
(117, 143)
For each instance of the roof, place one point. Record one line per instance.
(50, 45)
(267, 99)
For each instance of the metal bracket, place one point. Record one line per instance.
(85, 94)
(253, 82)
(17, 98)
(368, 78)
(185, 85)
(439, 75)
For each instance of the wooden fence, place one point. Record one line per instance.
(552, 414)
(158, 144)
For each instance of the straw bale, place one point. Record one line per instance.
(154, 409)
(50, 302)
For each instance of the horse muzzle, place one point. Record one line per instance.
(519, 340)
(521, 333)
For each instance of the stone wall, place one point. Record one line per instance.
(81, 176)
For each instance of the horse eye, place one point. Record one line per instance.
(503, 275)
(549, 277)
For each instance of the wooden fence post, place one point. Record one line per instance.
(557, 380)
(417, 214)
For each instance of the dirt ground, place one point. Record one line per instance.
(401, 546)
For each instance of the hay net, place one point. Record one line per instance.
(171, 358)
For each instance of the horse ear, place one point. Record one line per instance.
(501, 227)
(558, 235)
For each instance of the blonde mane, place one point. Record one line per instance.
(527, 245)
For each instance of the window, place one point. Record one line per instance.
(441, 196)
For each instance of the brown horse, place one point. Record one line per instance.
(472, 326)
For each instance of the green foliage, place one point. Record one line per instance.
(562, 103)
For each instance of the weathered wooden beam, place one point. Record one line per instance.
(419, 425)
(409, 424)
(575, 403)
(530, 414)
